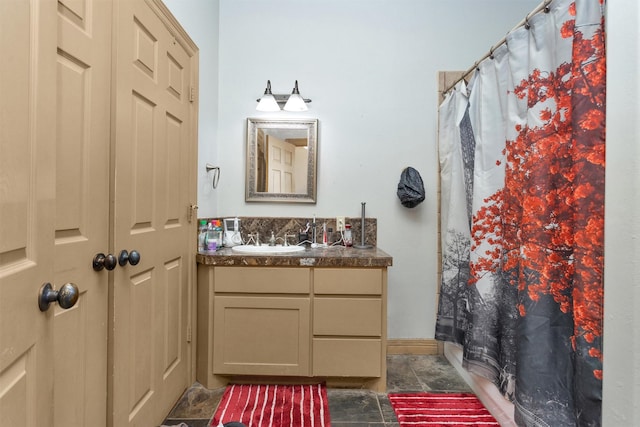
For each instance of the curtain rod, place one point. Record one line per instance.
(544, 6)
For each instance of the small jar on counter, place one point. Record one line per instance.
(348, 239)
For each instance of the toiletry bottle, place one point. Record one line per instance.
(217, 227)
(348, 239)
(202, 235)
(212, 244)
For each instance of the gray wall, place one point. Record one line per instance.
(370, 68)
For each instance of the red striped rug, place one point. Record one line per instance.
(274, 405)
(440, 409)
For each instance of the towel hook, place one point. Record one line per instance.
(216, 174)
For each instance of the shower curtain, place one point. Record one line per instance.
(522, 216)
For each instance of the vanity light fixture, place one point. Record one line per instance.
(271, 102)
(268, 101)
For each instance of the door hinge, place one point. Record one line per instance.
(192, 94)
(189, 333)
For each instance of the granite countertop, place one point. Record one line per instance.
(335, 256)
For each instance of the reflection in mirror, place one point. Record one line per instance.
(281, 160)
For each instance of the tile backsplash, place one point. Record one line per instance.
(281, 225)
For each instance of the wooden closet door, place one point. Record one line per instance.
(60, 206)
(82, 210)
(27, 209)
(154, 187)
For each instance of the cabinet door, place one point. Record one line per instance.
(261, 335)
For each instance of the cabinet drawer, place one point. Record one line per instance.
(347, 357)
(262, 280)
(348, 281)
(347, 316)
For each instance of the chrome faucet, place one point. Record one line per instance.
(286, 237)
(255, 237)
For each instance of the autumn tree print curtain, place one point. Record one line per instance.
(522, 175)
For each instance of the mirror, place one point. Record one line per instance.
(281, 160)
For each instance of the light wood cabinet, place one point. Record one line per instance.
(261, 321)
(322, 323)
(261, 335)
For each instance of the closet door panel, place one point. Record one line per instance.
(27, 209)
(82, 210)
(154, 159)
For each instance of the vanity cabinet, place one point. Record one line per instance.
(281, 322)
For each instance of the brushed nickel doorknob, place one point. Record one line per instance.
(101, 261)
(66, 297)
(132, 257)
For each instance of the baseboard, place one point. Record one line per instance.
(415, 346)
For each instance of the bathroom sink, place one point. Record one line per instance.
(278, 249)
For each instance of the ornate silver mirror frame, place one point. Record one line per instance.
(281, 160)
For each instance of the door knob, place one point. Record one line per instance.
(101, 261)
(133, 257)
(66, 297)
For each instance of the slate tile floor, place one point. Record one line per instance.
(347, 407)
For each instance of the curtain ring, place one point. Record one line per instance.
(491, 52)
(547, 9)
(526, 22)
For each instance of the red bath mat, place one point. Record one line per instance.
(274, 405)
(440, 409)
